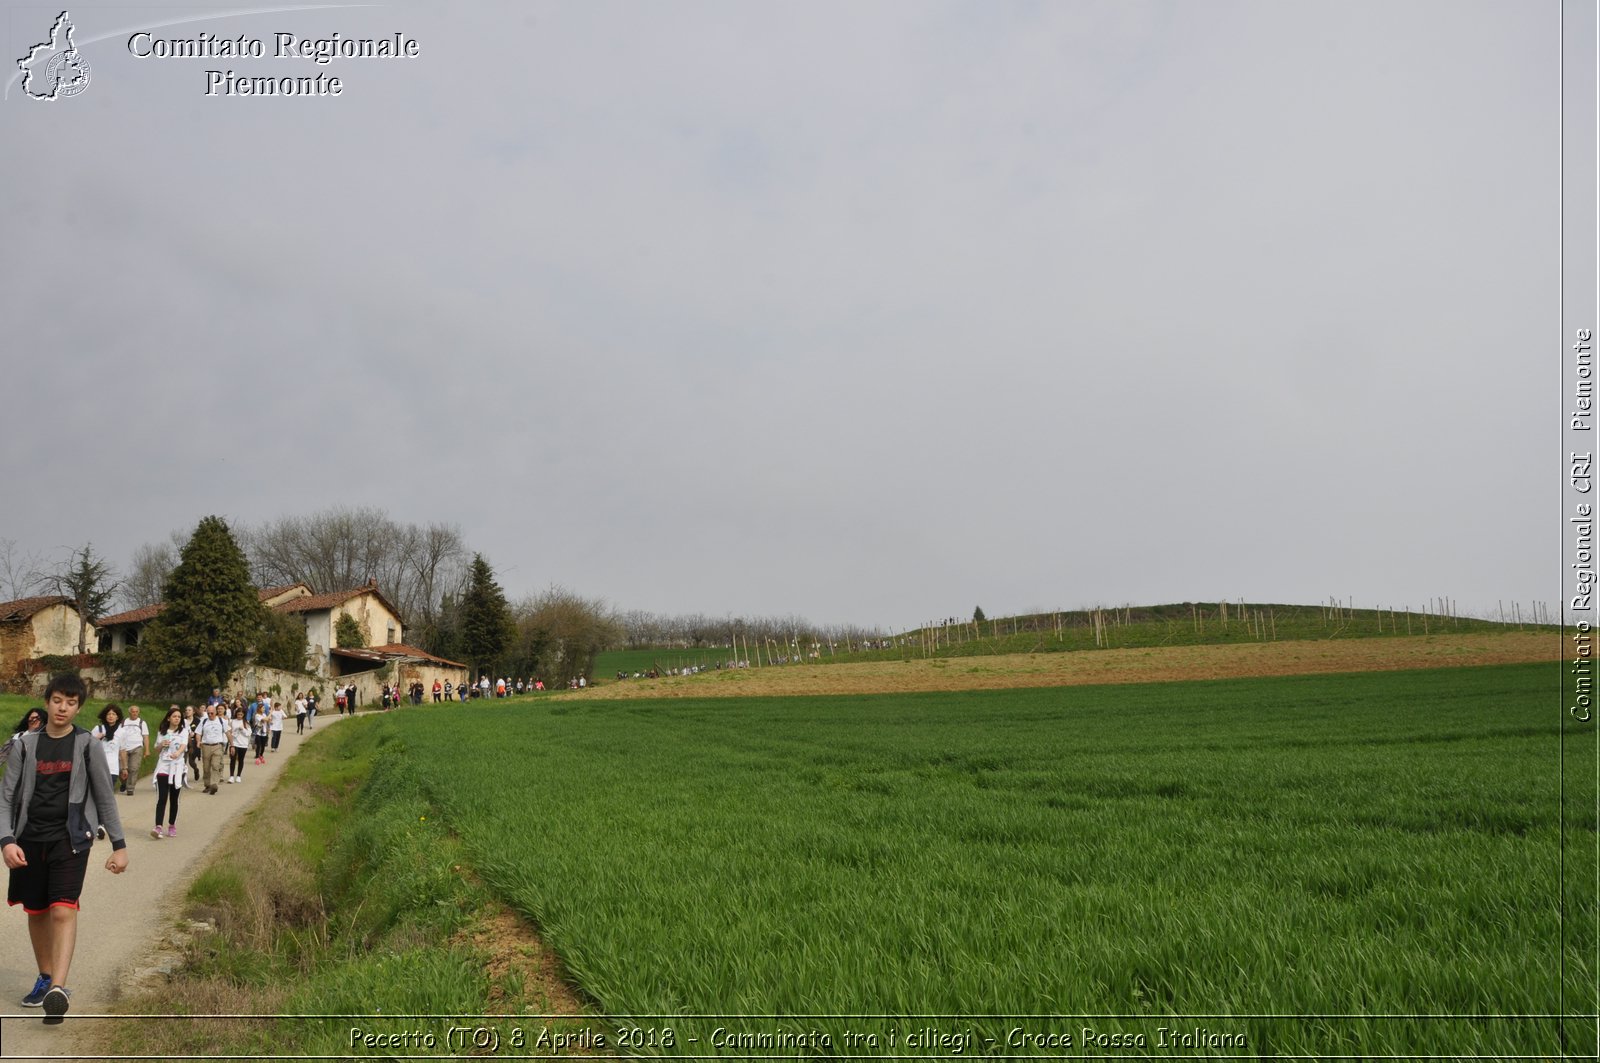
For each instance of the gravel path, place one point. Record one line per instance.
(117, 927)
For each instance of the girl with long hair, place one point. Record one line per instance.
(172, 749)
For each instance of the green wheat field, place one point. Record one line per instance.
(1356, 865)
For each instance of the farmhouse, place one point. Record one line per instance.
(122, 630)
(37, 627)
(368, 665)
(373, 614)
(377, 617)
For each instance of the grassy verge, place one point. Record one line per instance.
(339, 902)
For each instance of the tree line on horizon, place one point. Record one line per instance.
(213, 621)
(642, 630)
(448, 598)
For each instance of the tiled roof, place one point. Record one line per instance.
(23, 608)
(133, 616)
(150, 612)
(332, 600)
(311, 603)
(360, 653)
(414, 651)
(390, 652)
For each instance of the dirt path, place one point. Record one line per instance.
(120, 923)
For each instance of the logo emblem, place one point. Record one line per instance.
(55, 69)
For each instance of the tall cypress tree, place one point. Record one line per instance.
(212, 620)
(486, 629)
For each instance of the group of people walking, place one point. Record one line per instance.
(192, 743)
(189, 745)
(60, 788)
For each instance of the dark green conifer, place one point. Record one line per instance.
(212, 618)
(486, 628)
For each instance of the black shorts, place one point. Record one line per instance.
(54, 876)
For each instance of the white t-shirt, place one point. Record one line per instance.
(239, 734)
(170, 750)
(133, 734)
(276, 718)
(110, 748)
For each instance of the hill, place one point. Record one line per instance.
(1138, 664)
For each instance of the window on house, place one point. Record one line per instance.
(390, 639)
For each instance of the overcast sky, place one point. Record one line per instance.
(866, 311)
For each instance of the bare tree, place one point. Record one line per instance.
(416, 567)
(22, 575)
(147, 576)
(335, 550)
(641, 629)
(435, 563)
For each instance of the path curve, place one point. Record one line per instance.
(116, 925)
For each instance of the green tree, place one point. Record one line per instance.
(350, 632)
(559, 635)
(977, 615)
(282, 643)
(211, 621)
(443, 636)
(87, 580)
(486, 628)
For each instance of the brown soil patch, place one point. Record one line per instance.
(1093, 667)
(515, 955)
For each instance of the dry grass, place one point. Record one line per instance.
(1091, 667)
(515, 955)
(279, 893)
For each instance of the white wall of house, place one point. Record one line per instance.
(319, 637)
(55, 630)
(383, 627)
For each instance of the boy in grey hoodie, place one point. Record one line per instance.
(55, 793)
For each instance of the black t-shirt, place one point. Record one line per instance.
(47, 811)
